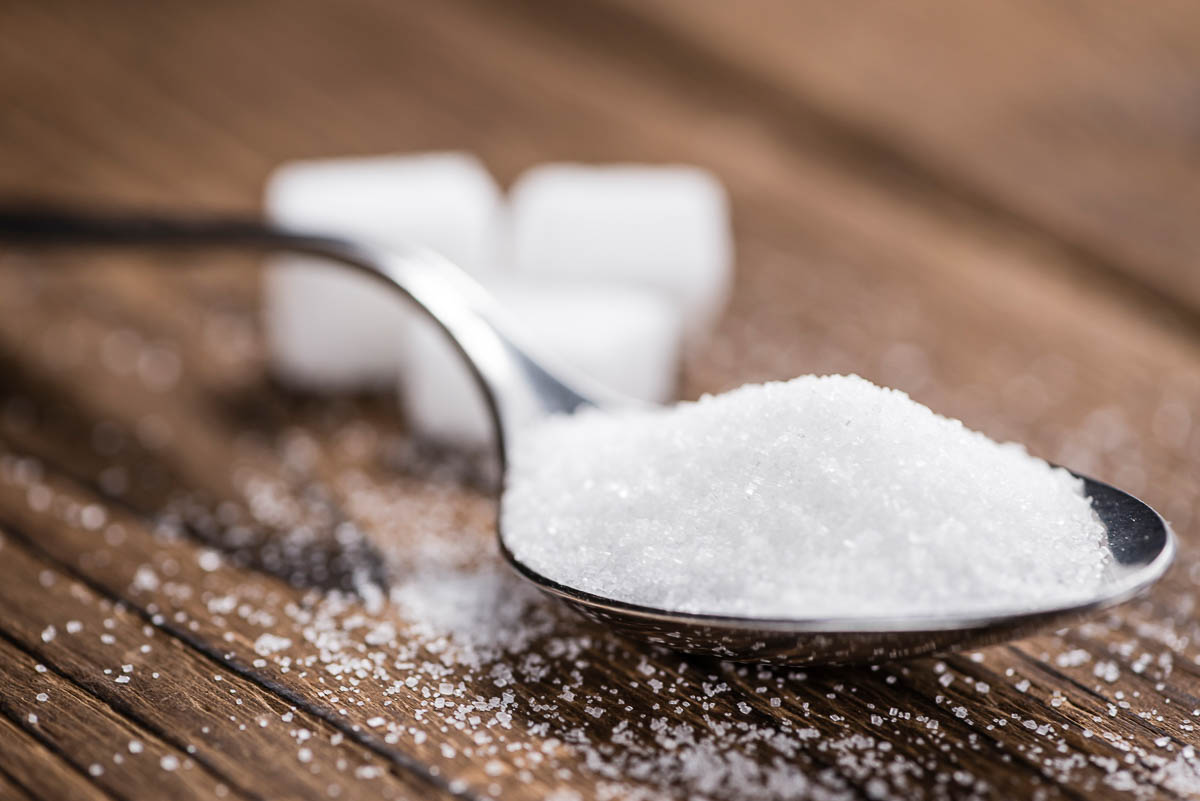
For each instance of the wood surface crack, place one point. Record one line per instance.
(63, 759)
(26, 790)
(114, 704)
(398, 760)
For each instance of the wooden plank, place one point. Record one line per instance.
(119, 755)
(285, 615)
(150, 457)
(9, 789)
(206, 721)
(1066, 120)
(37, 770)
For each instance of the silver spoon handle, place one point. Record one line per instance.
(518, 388)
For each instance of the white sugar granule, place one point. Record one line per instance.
(816, 497)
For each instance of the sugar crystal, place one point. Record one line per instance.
(820, 496)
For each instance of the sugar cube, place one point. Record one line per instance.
(331, 328)
(662, 227)
(623, 337)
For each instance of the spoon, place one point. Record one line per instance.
(521, 389)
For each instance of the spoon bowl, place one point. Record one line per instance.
(1141, 544)
(521, 388)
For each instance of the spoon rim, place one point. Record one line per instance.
(1113, 593)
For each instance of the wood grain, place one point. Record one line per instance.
(9, 789)
(1071, 121)
(116, 753)
(172, 699)
(849, 261)
(37, 771)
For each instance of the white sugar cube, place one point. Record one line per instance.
(329, 327)
(625, 338)
(662, 227)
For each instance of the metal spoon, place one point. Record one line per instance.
(520, 389)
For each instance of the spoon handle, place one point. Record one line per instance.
(518, 387)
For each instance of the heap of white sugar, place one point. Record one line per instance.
(816, 497)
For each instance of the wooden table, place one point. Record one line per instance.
(994, 207)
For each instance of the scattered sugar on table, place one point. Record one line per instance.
(489, 672)
(817, 497)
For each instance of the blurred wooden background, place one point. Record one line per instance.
(991, 206)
